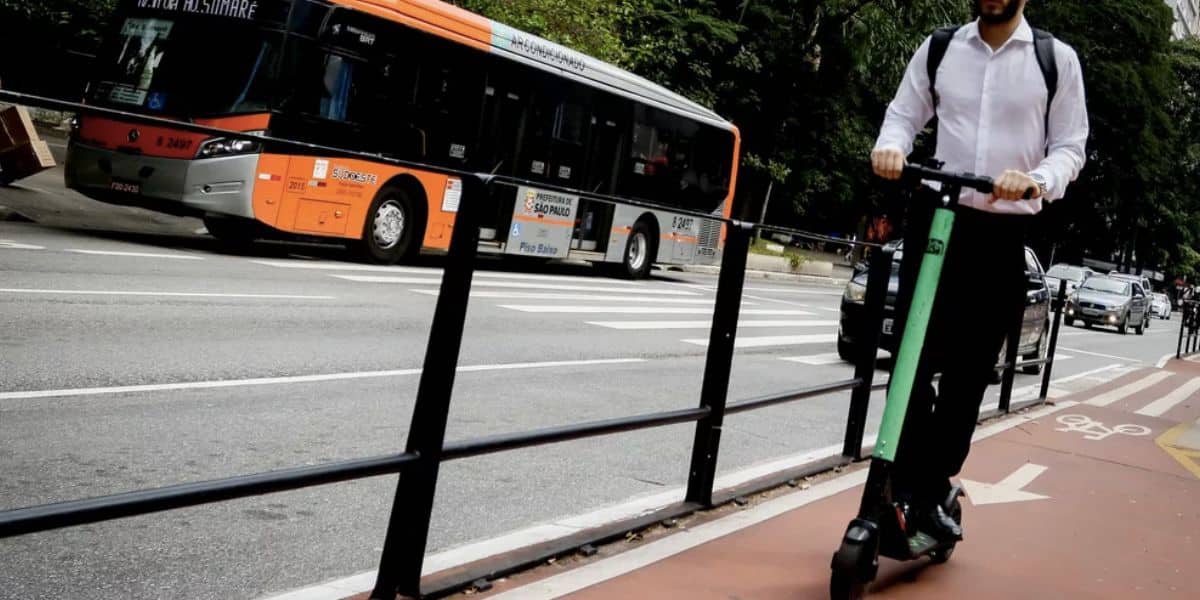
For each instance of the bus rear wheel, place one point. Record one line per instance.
(640, 251)
(390, 231)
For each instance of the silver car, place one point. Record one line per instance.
(1110, 302)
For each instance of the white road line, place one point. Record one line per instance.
(135, 254)
(771, 341)
(644, 310)
(295, 379)
(794, 291)
(580, 297)
(1129, 389)
(164, 294)
(514, 284)
(750, 323)
(430, 271)
(11, 245)
(1089, 353)
(1084, 374)
(1162, 405)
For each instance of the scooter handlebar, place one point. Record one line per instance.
(968, 180)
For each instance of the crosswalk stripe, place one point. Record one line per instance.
(578, 297)
(1162, 405)
(644, 310)
(135, 254)
(429, 271)
(512, 284)
(706, 324)
(816, 360)
(773, 340)
(1129, 389)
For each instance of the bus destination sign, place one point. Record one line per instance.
(233, 9)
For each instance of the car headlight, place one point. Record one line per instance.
(228, 147)
(855, 292)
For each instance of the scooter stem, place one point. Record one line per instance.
(913, 339)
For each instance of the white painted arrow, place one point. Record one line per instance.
(1008, 489)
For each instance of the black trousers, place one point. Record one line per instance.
(981, 294)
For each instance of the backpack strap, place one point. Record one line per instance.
(939, 42)
(1043, 48)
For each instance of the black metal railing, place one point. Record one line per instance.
(408, 528)
(1189, 329)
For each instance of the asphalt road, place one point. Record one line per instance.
(135, 351)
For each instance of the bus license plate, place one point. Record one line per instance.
(887, 326)
(126, 187)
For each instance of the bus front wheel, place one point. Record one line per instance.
(640, 251)
(390, 231)
(233, 231)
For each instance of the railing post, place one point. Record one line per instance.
(719, 363)
(1182, 326)
(408, 527)
(866, 349)
(1010, 358)
(1060, 304)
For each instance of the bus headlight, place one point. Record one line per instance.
(228, 147)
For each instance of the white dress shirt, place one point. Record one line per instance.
(991, 114)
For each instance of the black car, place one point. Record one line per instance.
(1035, 330)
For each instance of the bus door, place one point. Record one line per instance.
(501, 131)
(603, 167)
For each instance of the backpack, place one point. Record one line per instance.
(1043, 49)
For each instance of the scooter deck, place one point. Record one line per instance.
(913, 547)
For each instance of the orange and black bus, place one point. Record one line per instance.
(416, 80)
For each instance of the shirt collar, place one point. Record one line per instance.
(1023, 33)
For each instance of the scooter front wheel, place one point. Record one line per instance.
(850, 579)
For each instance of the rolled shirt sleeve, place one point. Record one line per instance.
(1067, 137)
(911, 109)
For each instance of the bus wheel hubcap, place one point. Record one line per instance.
(389, 224)
(637, 251)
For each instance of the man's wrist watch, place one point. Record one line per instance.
(1041, 183)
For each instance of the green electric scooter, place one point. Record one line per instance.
(883, 527)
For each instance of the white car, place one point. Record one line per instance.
(1072, 274)
(1160, 306)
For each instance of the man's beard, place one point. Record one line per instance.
(1004, 16)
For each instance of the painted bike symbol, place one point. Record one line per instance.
(1095, 430)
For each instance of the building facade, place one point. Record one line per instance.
(1187, 18)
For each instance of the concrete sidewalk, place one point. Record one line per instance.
(1094, 497)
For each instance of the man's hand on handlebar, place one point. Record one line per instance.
(888, 163)
(1014, 185)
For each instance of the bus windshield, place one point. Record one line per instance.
(179, 67)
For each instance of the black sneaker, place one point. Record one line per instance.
(940, 525)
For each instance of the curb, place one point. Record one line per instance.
(8, 215)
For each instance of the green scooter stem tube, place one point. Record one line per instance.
(913, 340)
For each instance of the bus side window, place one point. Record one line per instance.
(449, 102)
(570, 127)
